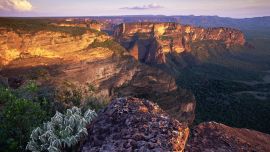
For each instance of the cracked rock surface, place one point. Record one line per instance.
(131, 124)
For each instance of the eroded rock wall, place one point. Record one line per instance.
(149, 42)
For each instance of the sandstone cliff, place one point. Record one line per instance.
(90, 25)
(150, 42)
(92, 60)
(50, 44)
(131, 124)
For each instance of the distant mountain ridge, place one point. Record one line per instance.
(205, 21)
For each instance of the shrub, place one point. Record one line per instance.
(69, 96)
(21, 110)
(31, 86)
(91, 88)
(18, 118)
(5, 95)
(96, 102)
(64, 131)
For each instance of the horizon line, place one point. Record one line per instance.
(127, 16)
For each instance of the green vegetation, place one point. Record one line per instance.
(17, 119)
(96, 103)
(91, 88)
(228, 84)
(217, 100)
(164, 37)
(25, 108)
(70, 95)
(63, 132)
(110, 44)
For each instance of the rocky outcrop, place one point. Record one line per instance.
(149, 42)
(178, 102)
(214, 136)
(131, 124)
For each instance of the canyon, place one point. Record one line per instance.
(57, 59)
(148, 109)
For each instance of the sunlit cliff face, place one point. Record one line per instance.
(150, 42)
(50, 45)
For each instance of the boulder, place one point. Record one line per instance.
(132, 124)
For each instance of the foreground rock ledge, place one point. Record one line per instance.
(216, 137)
(131, 124)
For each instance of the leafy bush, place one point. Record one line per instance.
(18, 118)
(21, 111)
(96, 102)
(69, 96)
(5, 95)
(31, 86)
(64, 131)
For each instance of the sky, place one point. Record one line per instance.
(223, 8)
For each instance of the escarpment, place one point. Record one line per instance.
(150, 42)
(44, 43)
(74, 69)
(48, 44)
(91, 62)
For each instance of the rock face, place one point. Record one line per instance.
(50, 44)
(150, 42)
(131, 124)
(75, 61)
(213, 136)
(91, 25)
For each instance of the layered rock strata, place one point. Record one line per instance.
(150, 42)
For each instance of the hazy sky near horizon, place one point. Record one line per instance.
(225, 8)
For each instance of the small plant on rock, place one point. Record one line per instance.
(63, 132)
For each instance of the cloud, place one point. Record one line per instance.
(15, 5)
(144, 7)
